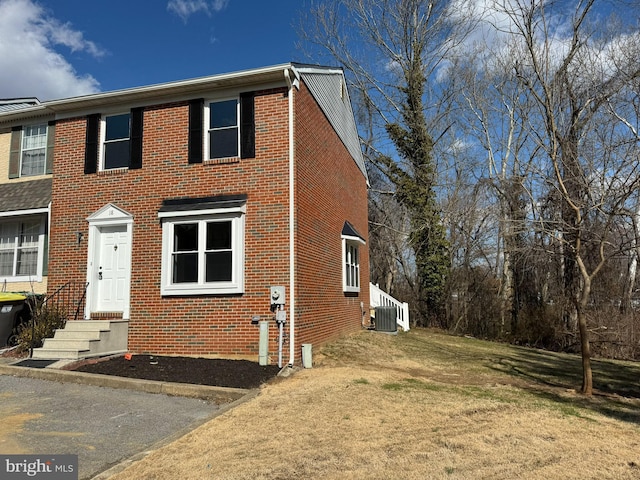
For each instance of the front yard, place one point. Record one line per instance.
(421, 405)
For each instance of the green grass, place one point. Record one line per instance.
(501, 372)
(413, 384)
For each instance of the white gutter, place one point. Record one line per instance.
(30, 211)
(292, 285)
(138, 95)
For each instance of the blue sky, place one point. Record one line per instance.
(61, 48)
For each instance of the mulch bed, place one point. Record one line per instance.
(198, 371)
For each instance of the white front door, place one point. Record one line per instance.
(112, 269)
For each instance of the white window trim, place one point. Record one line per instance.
(22, 149)
(40, 262)
(356, 241)
(207, 123)
(103, 136)
(236, 285)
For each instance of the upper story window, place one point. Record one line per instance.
(114, 141)
(34, 150)
(31, 150)
(117, 135)
(223, 129)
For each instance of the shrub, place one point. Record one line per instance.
(44, 322)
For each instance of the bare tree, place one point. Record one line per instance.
(571, 76)
(391, 51)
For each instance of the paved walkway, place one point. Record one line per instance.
(48, 411)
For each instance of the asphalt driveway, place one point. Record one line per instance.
(103, 426)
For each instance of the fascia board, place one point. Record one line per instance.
(22, 213)
(182, 88)
(266, 77)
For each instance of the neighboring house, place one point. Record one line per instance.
(26, 156)
(180, 205)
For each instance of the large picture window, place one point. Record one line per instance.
(21, 248)
(203, 252)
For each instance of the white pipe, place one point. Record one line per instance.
(292, 296)
(280, 334)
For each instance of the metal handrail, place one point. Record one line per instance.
(62, 298)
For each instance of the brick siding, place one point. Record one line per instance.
(213, 325)
(330, 189)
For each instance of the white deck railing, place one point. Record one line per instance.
(378, 298)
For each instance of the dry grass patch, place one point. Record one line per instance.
(415, 406)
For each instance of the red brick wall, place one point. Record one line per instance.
(180, 325)
(330, 189)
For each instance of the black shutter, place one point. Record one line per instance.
(195, 130)
(14, 153)
(247, 125)
(51, 138)
(91, 144)
(137, 126)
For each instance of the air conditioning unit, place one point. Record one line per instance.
(386, 319)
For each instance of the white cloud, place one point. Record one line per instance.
(29, 64)
(185, 8)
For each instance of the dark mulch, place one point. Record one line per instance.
(198, 371)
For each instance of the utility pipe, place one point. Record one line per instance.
(292, 294)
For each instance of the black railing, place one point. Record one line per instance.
(67, 301)
(69, 298)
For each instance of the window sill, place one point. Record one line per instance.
(222, 161)
(25, 278)
(113, 171)
(26, 178)
(194, 290)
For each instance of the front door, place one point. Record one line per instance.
(112, 269)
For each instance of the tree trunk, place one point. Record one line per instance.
(633, 264)
(585, 349)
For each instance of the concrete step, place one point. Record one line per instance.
(63, 334)
(66, 344)
(53, 354)
(87, 325)
(84, 339)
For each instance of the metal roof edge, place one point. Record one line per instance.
(188, 86)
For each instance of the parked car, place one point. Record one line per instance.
(15, 309)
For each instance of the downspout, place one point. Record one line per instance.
(292, 294)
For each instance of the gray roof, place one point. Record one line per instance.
(329, 89)
(326, 84)
(11, 104)
(29, 195)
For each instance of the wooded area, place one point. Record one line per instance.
(503, 145)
